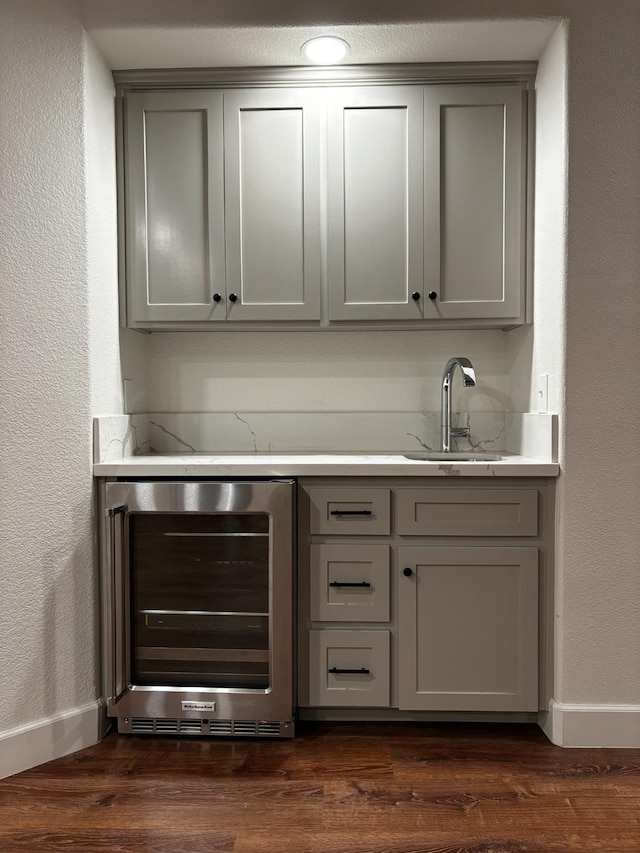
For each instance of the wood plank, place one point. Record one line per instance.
(311, 759)
(511, 812)
(117, 841)
(199, 803)
(336, 788)
(381, 841)
(121, 756)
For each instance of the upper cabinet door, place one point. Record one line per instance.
(272, 173)
(374, 204)
(174, 206)
(474, 237)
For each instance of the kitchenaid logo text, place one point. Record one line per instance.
(198, 706)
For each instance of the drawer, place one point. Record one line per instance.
(350, 583)
(350, 512)
(349, 668)
(467, 512)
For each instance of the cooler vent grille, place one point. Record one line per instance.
(142, 724)
(244, 727)
(239, 728)
(167, 727)
(268, 729)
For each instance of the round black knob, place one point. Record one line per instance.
(415, 296)
(432, 295)
(216, 297)
(407, 572)
(233, 297)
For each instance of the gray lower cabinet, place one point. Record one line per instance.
(432, 597)
(349, 668)
(345, 512)
(468, 628)
(349, 583)
(465, 512)
(394, 205)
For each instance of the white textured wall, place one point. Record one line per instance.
(114, 353)
(321, 371)
(589, 284)
(47, 628)
(102, 235)
(600, 501)
(540, 349)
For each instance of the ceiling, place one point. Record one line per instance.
(202, 46)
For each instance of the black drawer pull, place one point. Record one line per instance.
(350, 512)
(362, 671)
(359, 584)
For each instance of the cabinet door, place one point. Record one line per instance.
(272, 172)
(467, 512)
(468, 638)
(474, 240)
(349, 668)
(350, 512)
(174, 206)
(349, 582)
(374, 176)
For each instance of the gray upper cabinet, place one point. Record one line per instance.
(474, 191)
(272, 204)
(374, 203)
(174, 214)
(400, 206)
(222, 224)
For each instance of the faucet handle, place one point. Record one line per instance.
(459, 432)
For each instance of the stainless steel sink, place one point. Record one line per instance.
(452, 456)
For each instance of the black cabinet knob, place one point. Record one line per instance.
(233, 297)
(216, 297)
(432, 295)
(407, 572)
(415, 296)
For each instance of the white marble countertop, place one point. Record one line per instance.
(319, 465)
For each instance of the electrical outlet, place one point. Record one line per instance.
(127, 395)
(542, 393)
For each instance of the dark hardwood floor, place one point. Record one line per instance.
(336, 788)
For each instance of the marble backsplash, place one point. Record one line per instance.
(118, 436)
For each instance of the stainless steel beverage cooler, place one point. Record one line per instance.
(198, 607)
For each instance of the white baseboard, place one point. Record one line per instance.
(592, 725)
(53, 737)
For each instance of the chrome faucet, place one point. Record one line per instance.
(468, 380)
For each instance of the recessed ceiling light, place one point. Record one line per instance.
(325, 50)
